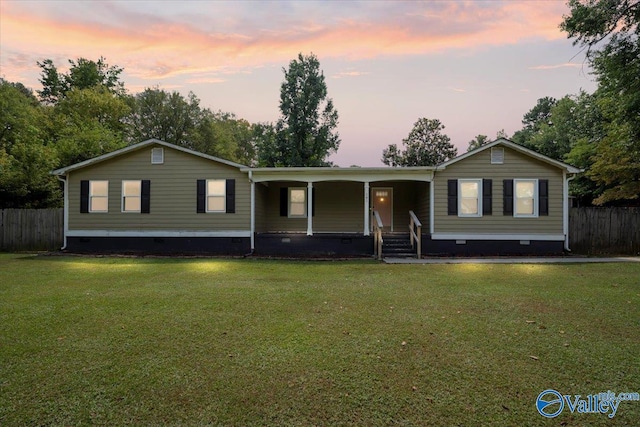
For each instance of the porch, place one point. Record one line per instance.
(335, 211)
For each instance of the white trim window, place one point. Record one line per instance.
(297, 202)
(98, 196)
(470, 197)
(525, 198)
(131, 196)
(216, 195)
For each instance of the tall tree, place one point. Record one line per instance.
(610, 31)
(83, 74)
(25, 158)
(426, 145)
(305, 133)
(478, 142)
(87, 123)
(167, 116)
(224, 135)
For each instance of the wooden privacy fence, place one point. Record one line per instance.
(31, 229)
(604, 230)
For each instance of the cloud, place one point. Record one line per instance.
(351, 73)
(172, 39)
(556, 66)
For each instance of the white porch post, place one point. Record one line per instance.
(310, 209)
(431, 206)
(253, 215)
(366, 209)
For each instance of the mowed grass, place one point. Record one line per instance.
(124, 341)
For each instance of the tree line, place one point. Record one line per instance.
(87, 111)
(598, 132)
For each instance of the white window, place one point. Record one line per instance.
(98, 196)
(525, 200)
(157, 156)
(131, 191)
(469, 200)
(297, 202)
(497, 155)
(216, 197)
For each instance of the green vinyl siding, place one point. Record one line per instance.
(262, 194)
(516, 166)
(422, 204)
(339, 207)
(173, 193)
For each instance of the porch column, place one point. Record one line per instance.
(253, 215)
(310, 209)
(366, 209)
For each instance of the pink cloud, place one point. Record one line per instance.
(154, 47)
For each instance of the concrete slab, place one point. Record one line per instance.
(511, 260)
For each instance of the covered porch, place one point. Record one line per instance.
(334, 211)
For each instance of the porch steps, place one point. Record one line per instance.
(397, 245)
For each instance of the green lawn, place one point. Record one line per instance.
(123, 341)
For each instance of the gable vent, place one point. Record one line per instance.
(497, 155)
(157, 156)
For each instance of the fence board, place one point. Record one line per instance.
(31, 229)
(598, 231)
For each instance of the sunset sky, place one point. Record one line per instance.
(478, 66)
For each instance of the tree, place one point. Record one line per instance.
(83, 74)
(25, 158)
(609, 30)
(305, 134)
(167, 116)
(478, 142)
(88, 123)
(224, 135)
(426, 145)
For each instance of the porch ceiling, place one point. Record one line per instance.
(355, 174)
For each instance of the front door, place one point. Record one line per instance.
(383, 203)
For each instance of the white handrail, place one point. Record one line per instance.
(377, 235)
(415, 230)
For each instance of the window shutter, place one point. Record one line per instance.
(145, 196)
(313, 202)
(84, 196)
(202, 195)
(487, 200)
(284, 196)
(452, 197)
(230, 192)
(507, 197)
(543, 197)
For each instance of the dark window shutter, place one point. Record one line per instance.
(84, 196)
(543, 197)
(202, 195)
(145, 196)
(284, 196)
(313, 202)
(507, 197)
(230, 192)
(452, 197)
(487, 200)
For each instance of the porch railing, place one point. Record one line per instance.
(377, 235)
(415, 233)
